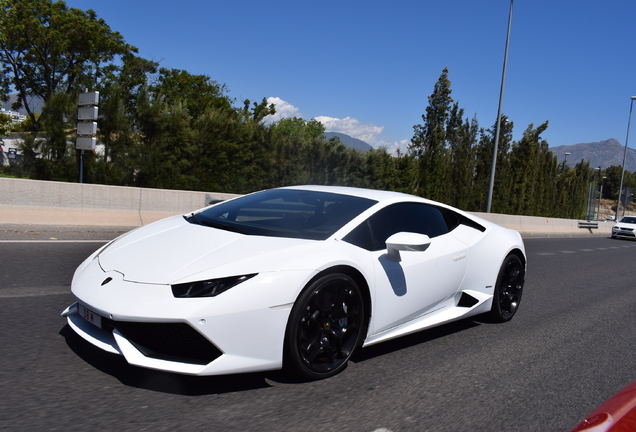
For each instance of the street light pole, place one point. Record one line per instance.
(498, 127)
(620, 189)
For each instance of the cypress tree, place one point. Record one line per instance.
(428, 144)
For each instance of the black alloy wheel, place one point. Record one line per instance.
(508, 290)
(325, 326)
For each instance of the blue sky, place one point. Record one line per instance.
(367, 68)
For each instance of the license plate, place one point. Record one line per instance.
(90, 316)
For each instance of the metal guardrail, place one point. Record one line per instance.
(588, 224)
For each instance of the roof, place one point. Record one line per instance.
(378, 195)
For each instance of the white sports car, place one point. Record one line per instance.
(294, 277)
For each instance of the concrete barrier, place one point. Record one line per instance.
(534, 225)
(34, 202)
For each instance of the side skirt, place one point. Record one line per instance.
(453, 309)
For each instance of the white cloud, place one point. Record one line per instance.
(283, 110)
(393, 147)
(352, 127)
(348, 125)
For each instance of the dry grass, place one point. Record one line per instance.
(608, 208)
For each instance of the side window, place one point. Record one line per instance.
(361, 236)
(451, 219)
(403, 217)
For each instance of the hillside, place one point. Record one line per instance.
(349, 141)
(603, 154)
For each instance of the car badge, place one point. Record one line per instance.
(108, 279)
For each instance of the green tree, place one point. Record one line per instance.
(525, 158)
(579, 189)
(58, 123)
(196, 92)
(50, 155)
(126, 79)
(381, 170)
(613, 180)
(461, 136)
(298, 127)
(48, 48)
(547, 181)
(502, 188)
(258, 111)
(164, 154)
(502, 195)
(428, 144)
(534, 189)
(6, 125)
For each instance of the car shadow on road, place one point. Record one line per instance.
(165, 382)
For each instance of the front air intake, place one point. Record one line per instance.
(166, 341)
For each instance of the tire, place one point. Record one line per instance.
(325, 326)
(508, 290)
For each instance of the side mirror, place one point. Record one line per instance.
(406, 241)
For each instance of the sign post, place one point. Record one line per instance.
(86, 125)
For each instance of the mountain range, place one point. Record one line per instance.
(349, 141)
(602, 153)
(35, 104)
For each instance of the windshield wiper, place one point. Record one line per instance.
(191, 218)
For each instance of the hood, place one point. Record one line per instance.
(174, 250)
(624, 225)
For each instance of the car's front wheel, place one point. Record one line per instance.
(508, 289)
(325, 326)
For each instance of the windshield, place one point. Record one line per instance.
(628, 219)
(285, 213)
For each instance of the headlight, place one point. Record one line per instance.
(208, 288)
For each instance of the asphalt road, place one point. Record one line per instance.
(571, 345)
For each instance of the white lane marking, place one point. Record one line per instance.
(587, 250)
(54, 241)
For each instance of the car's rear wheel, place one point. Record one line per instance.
(508, 289)
(325, 326)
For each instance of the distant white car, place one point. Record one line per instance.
(297, 276)
(625, 227)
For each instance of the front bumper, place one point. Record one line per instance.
(623, 232)
(173, 347)
(241, 330)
